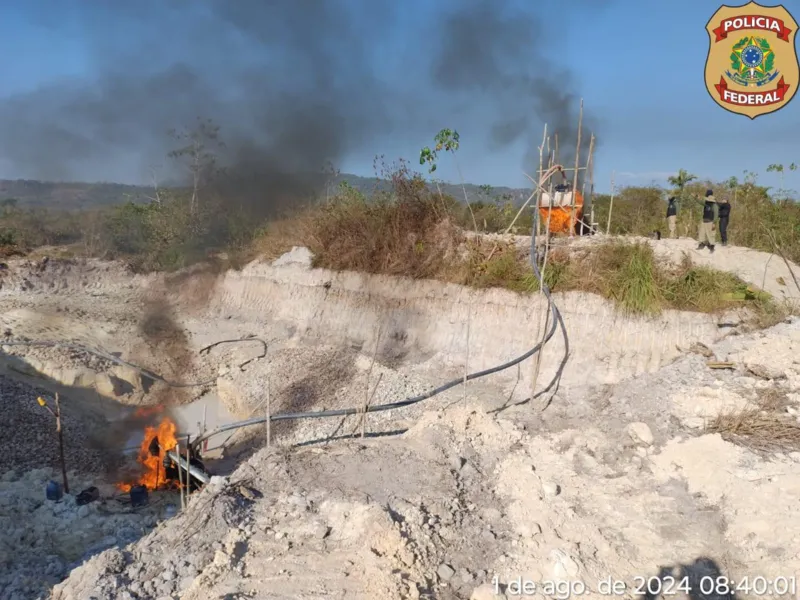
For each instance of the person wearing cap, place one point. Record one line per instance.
(672, 216)
(707, 225)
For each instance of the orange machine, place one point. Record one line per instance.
(557, 207)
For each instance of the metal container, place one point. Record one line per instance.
(139, 495)
(53, 491)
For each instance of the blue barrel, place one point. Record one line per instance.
(138, 495)
(53, 491)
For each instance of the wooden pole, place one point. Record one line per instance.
(591, 185)
(539, 183)
(538, 189)
(269, 417)
(188, 481)
(583, 187)
(60, 433)
(555, 158)
(611, 204)
(203, 427)
(180, 475)
(575, 178)
(545, 307)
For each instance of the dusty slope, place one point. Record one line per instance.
(465, 496)
(323, 327)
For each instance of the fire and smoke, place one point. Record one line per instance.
(156, 443)
(291, 83)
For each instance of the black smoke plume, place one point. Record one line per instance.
(292, 84)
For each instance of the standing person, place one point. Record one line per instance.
(723, 214)
(707, 225)
(672, 217)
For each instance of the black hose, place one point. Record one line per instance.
(557, 321)
(147, 373)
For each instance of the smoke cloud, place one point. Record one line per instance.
(292, 84)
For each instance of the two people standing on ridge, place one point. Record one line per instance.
(707, 233)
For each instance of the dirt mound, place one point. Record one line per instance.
(467, 500)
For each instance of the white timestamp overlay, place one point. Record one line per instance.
(652, 586)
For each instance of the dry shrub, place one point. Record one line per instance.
(281, 235)
(758, 429)
(410, 233)
(773, 399)
(764, 425)
(400, 236)
(504, 267)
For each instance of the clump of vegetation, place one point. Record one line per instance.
(412, 228)
(763, 425)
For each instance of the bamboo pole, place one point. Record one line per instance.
(269, 417)
(583, 187)
(539, 185)
(555, 156)
(537, 362)
(188, 464)
(575, 178)
(180, 476)
(537, 356)
(611, 204)
(591, 184)
(60, 433)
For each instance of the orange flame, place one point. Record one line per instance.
(153, 475)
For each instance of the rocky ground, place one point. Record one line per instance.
(468, 495)
(42, 541)
(456, 497)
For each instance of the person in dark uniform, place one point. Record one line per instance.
(723, 214)
(707, 225)
(672, 216)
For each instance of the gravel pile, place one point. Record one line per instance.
(28, 432)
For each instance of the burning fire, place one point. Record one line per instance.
(157, 441)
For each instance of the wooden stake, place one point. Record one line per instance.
(466, 354)
(60, 433)
(205, 443)
(537, 362)
(583, 187)
(575, 178)
(180, 474)
(188, 479)
(269, 417)
(555, 156)
(539, 182)
(610, 205)
(591, 183)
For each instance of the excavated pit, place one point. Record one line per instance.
(621, 426)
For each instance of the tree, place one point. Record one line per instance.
(449, 141)
(681, 180)
(780, 170)
(198, 154)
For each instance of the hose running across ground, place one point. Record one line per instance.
(557, 321)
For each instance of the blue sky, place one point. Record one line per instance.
(639, 71)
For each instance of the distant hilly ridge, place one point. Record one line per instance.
(30, 193)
